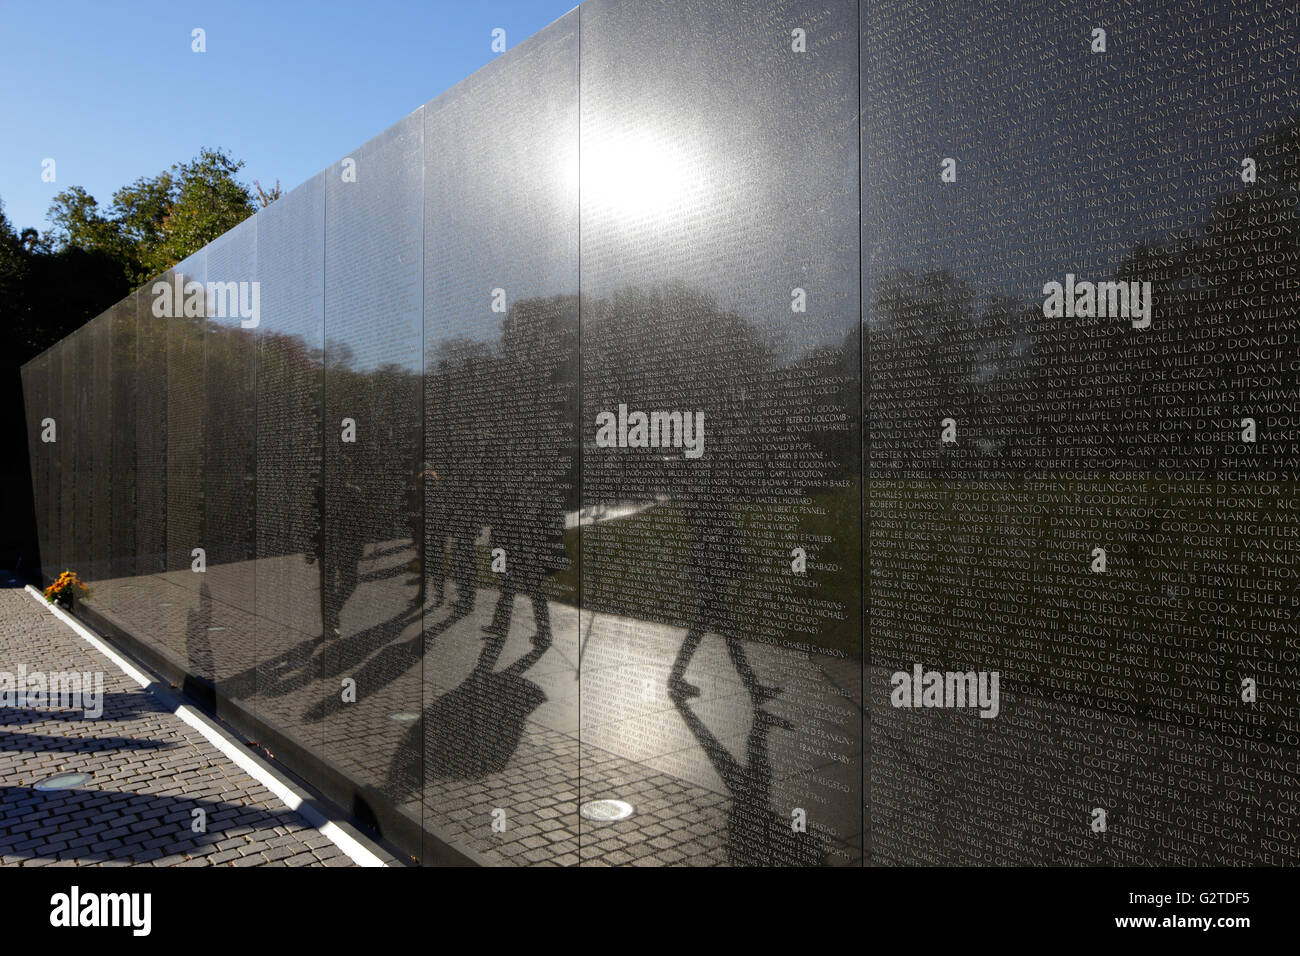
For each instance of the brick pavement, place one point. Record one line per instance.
(149, 771)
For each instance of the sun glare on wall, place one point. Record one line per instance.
(639, 178)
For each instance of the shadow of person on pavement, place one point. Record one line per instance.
(106, 810)
(756, 834)
(474, 729)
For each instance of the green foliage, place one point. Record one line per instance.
(139, 211)
(156, 221)
(79, 223)
(206, 201)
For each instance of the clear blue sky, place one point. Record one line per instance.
(112, 91)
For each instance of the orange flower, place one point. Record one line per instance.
(65, 583)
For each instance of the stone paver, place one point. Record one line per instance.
(149, 771)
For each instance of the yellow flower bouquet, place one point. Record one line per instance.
(66, 589)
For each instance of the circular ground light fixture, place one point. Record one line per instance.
(404, 716)
(606, 811)
(63, 781)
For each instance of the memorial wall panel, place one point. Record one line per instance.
(185, 326)
(721, 512)
(368, 693)
(499, 468)
(99, 427)
(223, 631)
(290, 376)
(71, 510)
(151, 435)
(83, 422)
(52, 556)
(47, 496)
(143, 614)
(703, 383)
(37, 409)
(123, 386)
(1070, 318)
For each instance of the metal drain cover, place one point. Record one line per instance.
(606, 811)
(63, 781)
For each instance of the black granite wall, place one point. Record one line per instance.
(778, 433)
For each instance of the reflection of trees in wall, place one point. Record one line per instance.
(1043, 415)
(716, 549)
(288, 443)
(932, 351)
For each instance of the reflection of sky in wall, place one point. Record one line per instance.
(1067, 159)
(193, 268)
(501, 192)
(374, 253)
(290, 266)
(712, 156)
(232, 257)
(703, 162)
(715, 156)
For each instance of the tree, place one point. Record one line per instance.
(78, 223)
(156, 221)
(268, 196)
(139, 211)
(208, 201)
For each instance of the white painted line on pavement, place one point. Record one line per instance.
(290, 797)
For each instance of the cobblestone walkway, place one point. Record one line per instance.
(148, 771)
